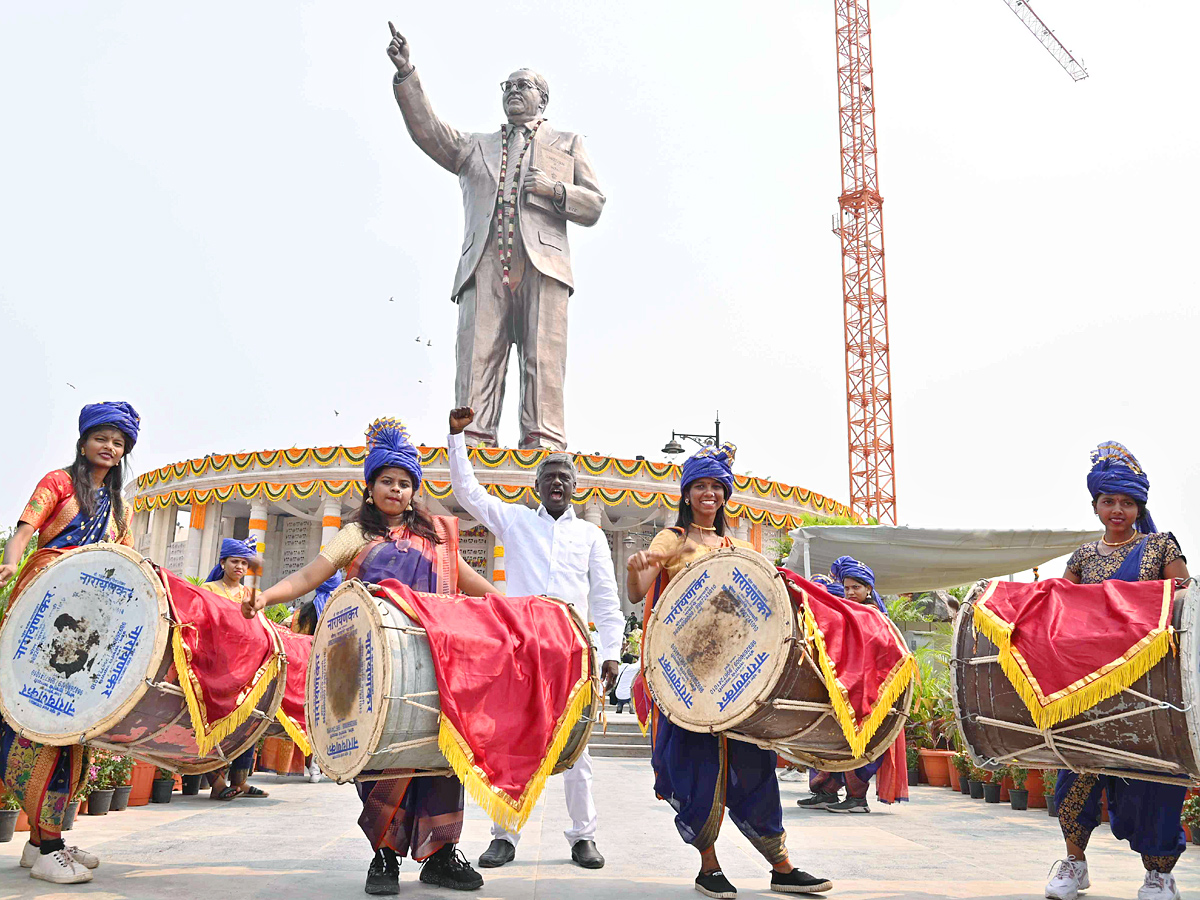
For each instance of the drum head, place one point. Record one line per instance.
(347, 672)
(715, 645)
(79, 644)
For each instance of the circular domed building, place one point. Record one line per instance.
(293, 501)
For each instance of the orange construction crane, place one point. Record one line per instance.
(864, 287)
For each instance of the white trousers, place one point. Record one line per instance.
(577, 781)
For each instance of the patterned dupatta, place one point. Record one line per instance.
(80, 531)
(412, 560)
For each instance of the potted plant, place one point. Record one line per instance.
(164, 784)
(100, 791)
(910, 752)
(191, 784)
(991, 790)
(1049, 782)
(976, 781)
(1018, 794)
(74, 807)
(960, 771)
(122, 768)
(1191, 817)
(10, 809)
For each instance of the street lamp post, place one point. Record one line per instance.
(674, 448)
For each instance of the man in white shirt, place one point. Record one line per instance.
(549, 551)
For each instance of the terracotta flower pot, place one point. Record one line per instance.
(1036, 788)
(1005, 787)
(22, 821)
(955, 782)
(140, 780)
(937, 766)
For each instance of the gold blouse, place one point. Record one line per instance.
(667, 542)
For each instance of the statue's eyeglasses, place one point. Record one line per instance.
(521, 84)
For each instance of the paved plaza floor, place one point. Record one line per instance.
(303, 842)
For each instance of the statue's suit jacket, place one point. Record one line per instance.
(475, 159)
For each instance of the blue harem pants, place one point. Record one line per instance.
(1145, 813)
(701, 775)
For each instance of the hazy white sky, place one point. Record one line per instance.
(204, 210)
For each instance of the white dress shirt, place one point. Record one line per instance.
(567, 557)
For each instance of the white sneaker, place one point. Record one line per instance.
(1069, 880)
(30, 853)
(1158, 886)
(793, 775)
(60, 867)
(314, 774)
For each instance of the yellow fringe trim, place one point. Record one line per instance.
(1107, 681)
(208, 737)
(294, 731)
(857, 736)
(510, 814)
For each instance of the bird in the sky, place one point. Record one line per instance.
(418, 339)
(336, 413)
(71, 386)
(429, 343)
(391, 299)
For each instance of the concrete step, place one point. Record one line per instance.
(617, 737)
(616, 728)
(623, 751)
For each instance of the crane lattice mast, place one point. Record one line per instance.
(864, 288)
(1039, 30)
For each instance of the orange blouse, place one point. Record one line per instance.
(53, 507)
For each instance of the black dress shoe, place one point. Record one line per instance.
(498, 853)
(586, 854)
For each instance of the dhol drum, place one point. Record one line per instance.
(1150, 731)
(723, 651)
(372, 698)
(89, 661)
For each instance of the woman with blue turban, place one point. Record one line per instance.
(855, 581)
(77, 505)
(1145, 813)
(392, 535)
(235, 560)
(702, 775)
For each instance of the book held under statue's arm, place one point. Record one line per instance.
(556, 165)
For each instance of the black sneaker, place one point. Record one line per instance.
(797, 882)
(448, 868)
(715, 884)
(850, 805)
(383, 877)
(818, 801)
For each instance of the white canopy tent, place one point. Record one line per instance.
(907, 559)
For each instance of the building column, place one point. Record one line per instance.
(191, 553)
(210, 537)
(331, 519)
(257, 533)
(162, 526)
(592, 513)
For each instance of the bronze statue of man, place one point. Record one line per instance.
(520, 185)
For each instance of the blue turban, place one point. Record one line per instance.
(119, 414)
(709, 462)
(848, 567)
(388, 445)
(831, 586)
(1116, 471)
(231, 547)
(328, 586)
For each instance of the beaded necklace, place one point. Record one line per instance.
(506, 223)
